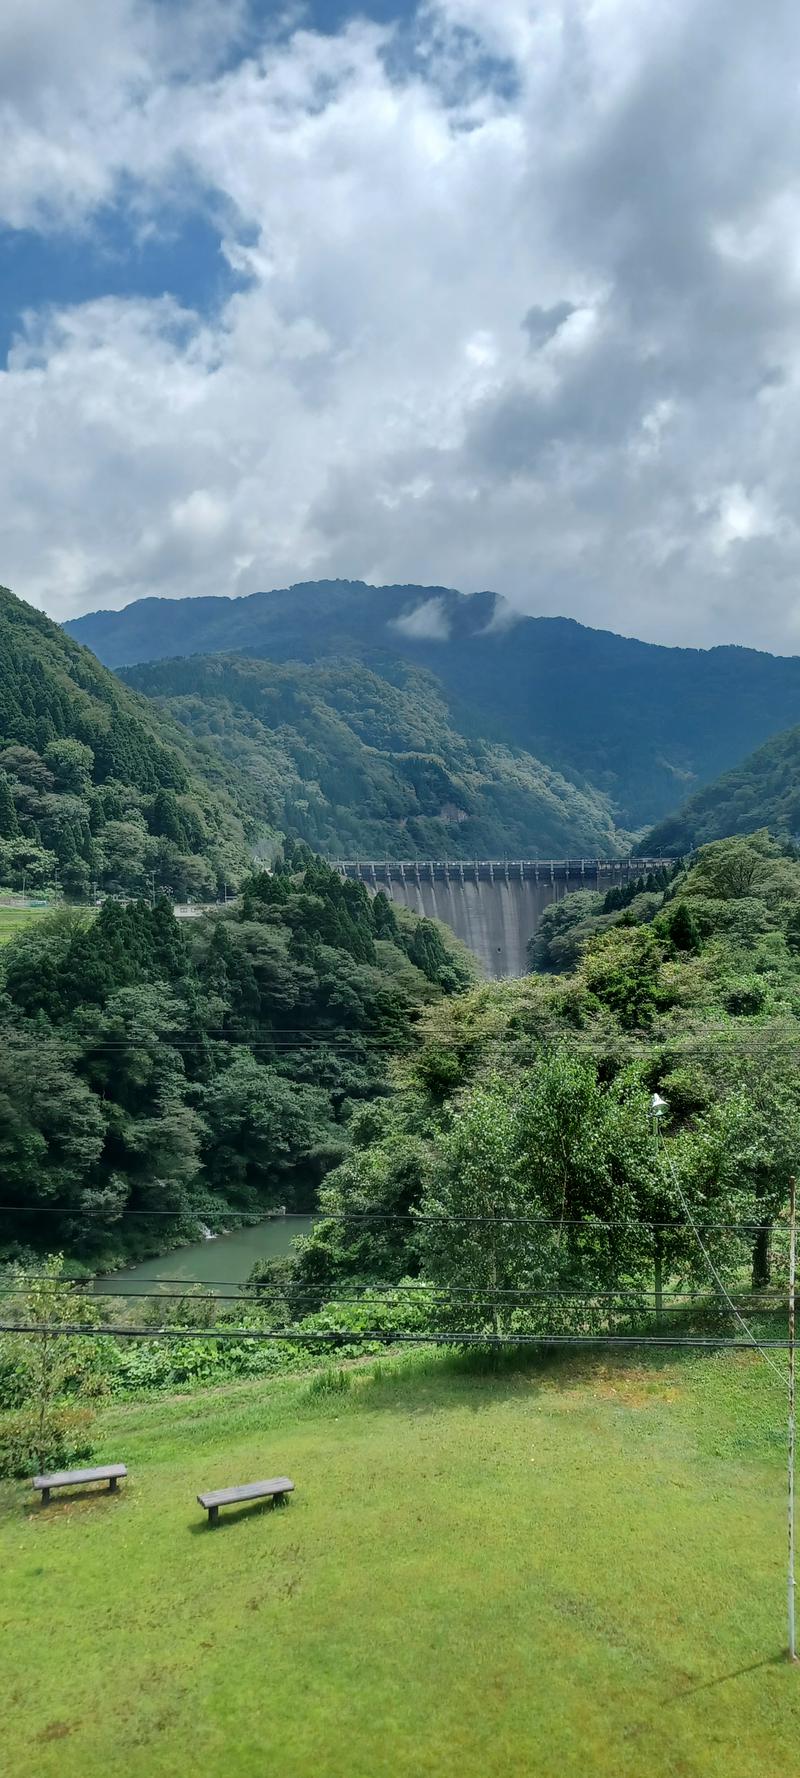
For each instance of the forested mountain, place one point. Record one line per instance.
(643, 724)
(154, 1073)
(97, 786)
(361, 764)
(763, 791)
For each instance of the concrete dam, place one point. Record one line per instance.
(493, 907)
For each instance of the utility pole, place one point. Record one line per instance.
(792, 1284)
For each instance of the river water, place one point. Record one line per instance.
(222, 1265)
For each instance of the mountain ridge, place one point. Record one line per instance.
(643, 723)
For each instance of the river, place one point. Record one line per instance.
(222, 1265)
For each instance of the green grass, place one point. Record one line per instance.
(13, 920)
(566, 1570)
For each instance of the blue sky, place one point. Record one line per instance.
(181, 255)
(490, 293)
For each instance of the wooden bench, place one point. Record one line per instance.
(74, 1478)
(277, 1489)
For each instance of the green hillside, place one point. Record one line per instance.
(155, 1073)
(96, 786)
(359, 762)
(646, 725)
(764, 791)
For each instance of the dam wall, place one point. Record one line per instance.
(493, 907)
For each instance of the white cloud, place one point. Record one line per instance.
(529, 325)
(739, 517)
(427, 622)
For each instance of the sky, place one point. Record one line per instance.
(478, 293)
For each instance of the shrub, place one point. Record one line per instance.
(746, 997)
(26, 1445)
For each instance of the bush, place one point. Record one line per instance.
(746, 997)
(26, 1446)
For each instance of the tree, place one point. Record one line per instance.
(621, 971)
(24, 862)
(71, 763)
(47, 1370)
(682, 928)
(471, 1239)
(736, 867)
(9, 825)
(545, 1195)
(52, 1131)
(261, 1129)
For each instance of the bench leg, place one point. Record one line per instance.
(213, 1515)
(45, 1497)
(112, 1484)
(279, 1499)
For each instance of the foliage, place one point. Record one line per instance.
(27, 1447)
(360, 761)
(157, 1074)
(97, 789)
(693, 991)
(567, 927)
(50, 1375)
(761, 790)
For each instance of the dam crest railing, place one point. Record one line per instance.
(608, 871)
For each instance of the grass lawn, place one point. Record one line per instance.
(575, 1570)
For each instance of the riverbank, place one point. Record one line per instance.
(555, 1568)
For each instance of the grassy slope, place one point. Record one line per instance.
(14, 920)
(570, 1569)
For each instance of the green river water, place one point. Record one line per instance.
(222, 1264)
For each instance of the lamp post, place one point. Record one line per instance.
(658, 1109)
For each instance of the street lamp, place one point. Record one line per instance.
(658, 1109)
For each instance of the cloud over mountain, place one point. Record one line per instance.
(503, 296)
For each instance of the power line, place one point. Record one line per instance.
(745, 1226)
(298, 1295)
(391, 1336)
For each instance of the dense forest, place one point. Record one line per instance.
(362, 764)
(99, 788)
(644, 725)
(155, 1075)
(527, 1110)
(764, 790)
(483, 1157)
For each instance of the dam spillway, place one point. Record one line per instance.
(493, 906)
